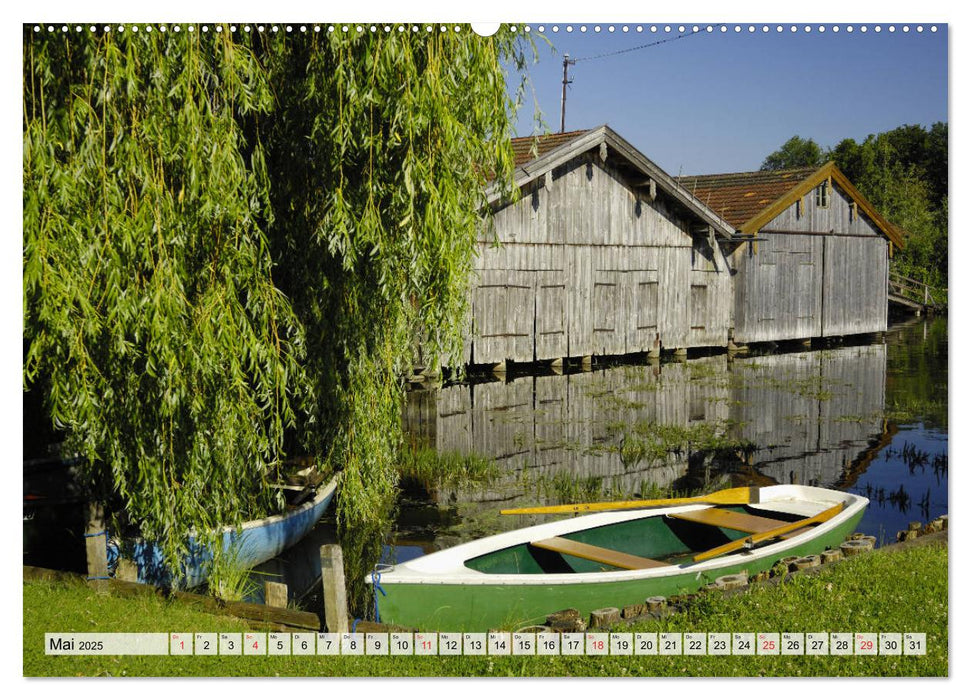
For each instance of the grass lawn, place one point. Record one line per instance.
(886, 591)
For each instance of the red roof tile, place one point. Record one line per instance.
(737, 197)
(527, 148)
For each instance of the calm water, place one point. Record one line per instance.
(871, 419)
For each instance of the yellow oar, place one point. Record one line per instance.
(750, 540)
(734, 496)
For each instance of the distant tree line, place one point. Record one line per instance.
(903, 172)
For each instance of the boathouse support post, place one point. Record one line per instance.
(335, 592)
(96, 546)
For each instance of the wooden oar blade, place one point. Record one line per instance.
(749, 540)
(734, 496)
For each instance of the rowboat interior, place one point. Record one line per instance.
(298, 485)
(640, 543)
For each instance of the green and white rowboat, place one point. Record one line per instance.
(618, 558)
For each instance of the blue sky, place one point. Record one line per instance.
(721, 102)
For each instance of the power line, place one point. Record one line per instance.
(642, 46)
(567, 61)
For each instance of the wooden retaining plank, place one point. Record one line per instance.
(279, 619)
(728, 519)
(601, 555)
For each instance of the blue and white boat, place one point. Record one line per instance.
(248, 545)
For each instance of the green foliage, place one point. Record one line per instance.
(903, 173)
(381, 150)
(797, 152)
(652, 443)
(233, 245)
(151, 322)
(563, 487)
(227, 579)
(432, 469)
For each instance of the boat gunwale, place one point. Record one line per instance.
(460, 574)
(321, 495)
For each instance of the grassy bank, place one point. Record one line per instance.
(887, 591)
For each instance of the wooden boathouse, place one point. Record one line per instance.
(816, 262)
(571, 428)
(603, 254)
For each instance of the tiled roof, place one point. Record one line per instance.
(737, 197)
(523, 147)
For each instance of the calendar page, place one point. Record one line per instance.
(360, 346)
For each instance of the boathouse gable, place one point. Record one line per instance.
(817, 257)
(838, 216)
(602, 254)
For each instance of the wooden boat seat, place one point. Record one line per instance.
(730, 520)
(601, 555)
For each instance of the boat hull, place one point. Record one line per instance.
(521, 601)
(251, 544)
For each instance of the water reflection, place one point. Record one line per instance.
(835, 417)
(812, 414)
(806, 416)
(871, 419)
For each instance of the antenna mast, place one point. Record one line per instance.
(566, 62)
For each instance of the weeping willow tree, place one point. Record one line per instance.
(151, 320)
(382, 146)
(233, 243)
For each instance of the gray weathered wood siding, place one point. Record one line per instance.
(838, 217)
(822, 272)
(589, 266)
(809, 415)
(710, 292)
(778, 287)
(855, 284)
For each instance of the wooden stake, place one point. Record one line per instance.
(335, 592)
(604, 617)
(96, 546)
(275, 594)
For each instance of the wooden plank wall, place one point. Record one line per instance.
(710, 310)
(588, 266)
(778, 288)
(855, 284)
(827, 278)
(810, 414)
(836, 217)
